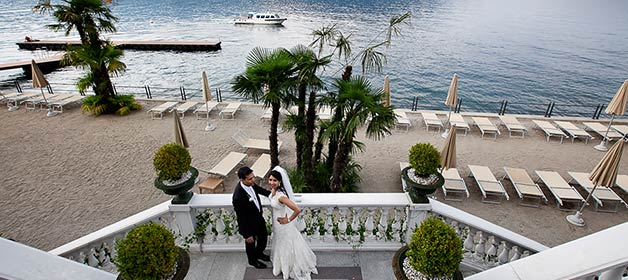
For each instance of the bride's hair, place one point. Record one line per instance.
(277, 176)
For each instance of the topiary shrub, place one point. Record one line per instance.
(424, 159)
(147, 252)
(171, 161)
(435, 250)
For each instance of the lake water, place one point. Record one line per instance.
(527, 52)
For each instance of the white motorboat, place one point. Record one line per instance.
(261, 18)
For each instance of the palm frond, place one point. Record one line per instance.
(393, 26)
(373, 59)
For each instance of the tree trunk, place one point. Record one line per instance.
(333, 143)
(272, 137)
(310, 125)
(340, 163)
(299, 135)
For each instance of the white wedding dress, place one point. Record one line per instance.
(290, 253)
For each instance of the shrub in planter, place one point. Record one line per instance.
(147, 252)
(424, 159)
(435, 250)
(422, 177)
(171, 161)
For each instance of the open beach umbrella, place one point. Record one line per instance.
(617, 107)
(179, 135)
(207, 96)
(604, 174)
(448, 154)
(387, 91)
(452, 98)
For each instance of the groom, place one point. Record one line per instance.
(251, 223)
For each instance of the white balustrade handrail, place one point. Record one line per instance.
(113, 229)
(582, 258)
(314, 200)
(486, 226)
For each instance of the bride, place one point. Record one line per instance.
(291, 255)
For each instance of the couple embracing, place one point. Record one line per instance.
(291, 255)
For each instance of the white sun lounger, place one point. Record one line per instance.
(459, 122)
(454, 184)
(5, 97)
(601, 130)
(324, 113)
(560, 189)
(261, 166)
(54, 98)
(231, 109)
(16, 99)
(205, 109)
(401, 119)
(622, 182)
(430, 119)
(182, 108)
(31, 103)
(488, 184)
(525, 187)
(606, 200)
(57, 106)
(622, 129)
(161, 109)
(513, 125)
(574, 131)
(486, 126)
(550, 130)
(251, 143)
(220, 171)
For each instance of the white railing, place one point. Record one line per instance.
(329, 222)
(603, 254)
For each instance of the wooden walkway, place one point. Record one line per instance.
(46, 65)
(59, 45)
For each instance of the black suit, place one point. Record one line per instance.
(250, 220)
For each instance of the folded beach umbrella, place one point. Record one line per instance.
(39, 81)
(452, 98)
(207, 96)
(617, 107)
(179, 135)
(604, 174)
(448, 154)
(387, 91)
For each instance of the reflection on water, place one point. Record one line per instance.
(521, 51)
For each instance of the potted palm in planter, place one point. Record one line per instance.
(422, 176)
(148, 252)
(175, 176)
(434, 252)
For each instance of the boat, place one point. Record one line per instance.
(261, 18)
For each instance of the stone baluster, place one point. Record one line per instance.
(383, 224)
(355, 224)
(397, 225)
(468, 241)
(342, 223)
(515, 253)
(491, 253)
(329, 225)
(479, 249)
(369, 225)
(526, 253)
(503, 253)
(220, 227)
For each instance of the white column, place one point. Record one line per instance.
(416, 214)
(183, 218)
(613, 274)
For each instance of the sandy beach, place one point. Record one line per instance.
(63, 177)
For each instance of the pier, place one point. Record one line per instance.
(46, 65)
(60, 45)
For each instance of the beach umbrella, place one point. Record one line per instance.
(604, 174)
(179, 135)
(387, 91)
(448, 154)
(617, 107)
(452, 98)
(207, 96)
(39, 81)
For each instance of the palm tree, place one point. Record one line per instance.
(361, 105)
(274, 70)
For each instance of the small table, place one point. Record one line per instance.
(211, 184)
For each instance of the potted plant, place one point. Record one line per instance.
(422, 176)
(148, 252)
(434, 252)
(175, 176)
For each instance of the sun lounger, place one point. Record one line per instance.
(182, 108)
(261, 166)
(513, 125)
(560, 189)
(31, 103)
(161, 109)
(550, 130)
(606, 200)
(622, 129)
(459, 122)
(14, 100)
(601, 130)
(324, 113)
(220, 171)
(526, 189)
(205, 109)
(486, 126)
(454, 184)
(57, 106)
(267, 115)
(622, 182)
(574, 131)
(401, 119)
(488, 184)
(250, 143)
(231, 109)
(430, 119)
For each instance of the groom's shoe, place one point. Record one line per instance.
(258, 264)
(264, 257)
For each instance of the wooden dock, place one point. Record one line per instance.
(60, 45)
(46, 65)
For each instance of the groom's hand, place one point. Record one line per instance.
(250, 239)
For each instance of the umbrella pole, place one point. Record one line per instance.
(576, 219)
(209, 126)
(444, 135)
(602, 146)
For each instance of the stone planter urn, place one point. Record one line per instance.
(419, 192)
(401, 274)
(180, 190)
